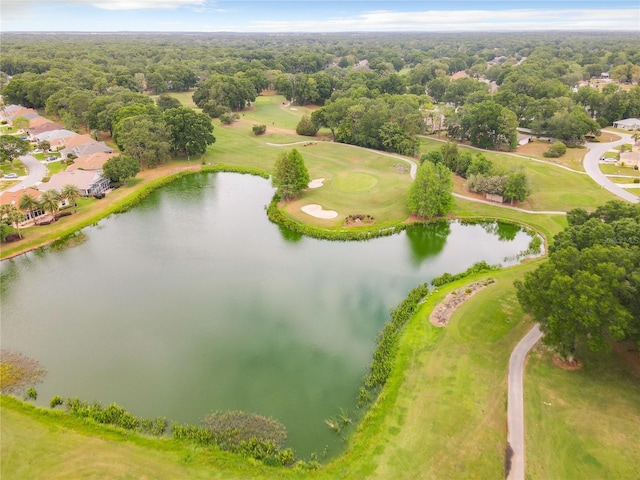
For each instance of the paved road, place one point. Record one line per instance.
(592, 167)
(500, 205)
(515, 401)
(36, 172)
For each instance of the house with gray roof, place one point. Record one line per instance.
(89, 182)
(628, 124)
(86, 149)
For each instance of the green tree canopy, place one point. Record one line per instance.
(290, 175)
(11, 147)
(121, 168)
(588, 293)
(189, 132)
(431, 193)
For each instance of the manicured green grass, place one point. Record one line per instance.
(552, 188)
(17, 167)
(271, 110)
(55, 167)
(584, 423)
(618, 170)
(186, 98)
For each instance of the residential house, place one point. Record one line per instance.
(630, 159)
(89, 182)
(78, 140)
(86, 149)
(13, 198)
(628, 124)
(37, 121)
(52, 135)
(93, 162)
(46, 127)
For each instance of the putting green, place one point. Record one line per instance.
(354, 181)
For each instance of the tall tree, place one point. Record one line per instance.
(11, 216)
(50, 201)
(121, 168)
(29, 203)
(11, 147)
(431, 193)
(290, 175)
(189, 132)
(71, 193)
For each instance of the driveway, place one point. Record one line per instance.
(37, 171)
(592, 167)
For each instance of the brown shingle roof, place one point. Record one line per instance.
(91, 162)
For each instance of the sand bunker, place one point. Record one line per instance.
(317, 211)
(316, 183)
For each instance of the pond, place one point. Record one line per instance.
(194, 302)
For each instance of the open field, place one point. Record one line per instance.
(598, 409)
(609, 169)
(572, 158)
(552, 188)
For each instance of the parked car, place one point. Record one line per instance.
(10, 175)
(51, 158)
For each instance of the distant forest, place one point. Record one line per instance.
(375, 90)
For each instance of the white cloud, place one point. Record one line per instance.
(14, 6)
(465, 20)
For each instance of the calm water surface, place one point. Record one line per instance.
(194, 302)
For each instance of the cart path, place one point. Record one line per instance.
(515, 405)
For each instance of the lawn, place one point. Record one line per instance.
(609, 169)
(552, 188)
(584, 423)
(572, 158)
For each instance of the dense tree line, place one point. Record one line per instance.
(588, 292)
(396, 75)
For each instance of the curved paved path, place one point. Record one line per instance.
(515, 402)
(591, 164)
(499, 205)
(36, 173)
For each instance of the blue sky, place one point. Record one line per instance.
(317, 16)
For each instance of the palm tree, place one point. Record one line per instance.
(50, 201)
(12, 216)
(71, 193)
(29, 203)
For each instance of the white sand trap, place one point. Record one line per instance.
(316, 183)
(293, 109)
(317, 211)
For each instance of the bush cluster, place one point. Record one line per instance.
(259, 129)
(387, 344)
(556, 149)
(114, 415)
(478, 267)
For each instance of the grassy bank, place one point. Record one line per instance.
(584, 423)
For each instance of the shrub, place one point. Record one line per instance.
(478, 267)
(32, 393)
(556, 149)
(55, 401)
(259, 129)
(306, 127)
(386, 346)
(226, 119)
(236, 427)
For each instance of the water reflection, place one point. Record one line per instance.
(427, 241)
